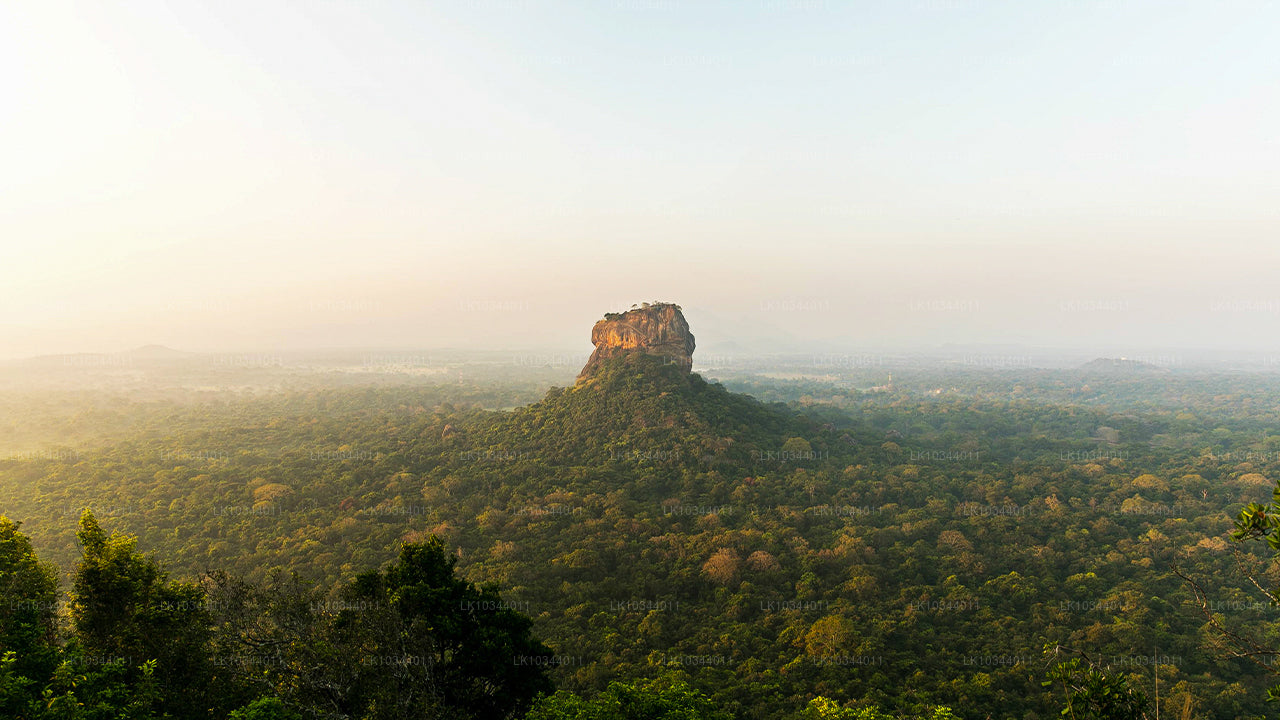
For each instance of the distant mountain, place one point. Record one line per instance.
(1122, 365)
(156, 352)
(92, 359)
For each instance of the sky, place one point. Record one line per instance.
(797, 174)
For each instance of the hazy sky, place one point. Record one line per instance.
(275, 175)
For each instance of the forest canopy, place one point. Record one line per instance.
(902, 550)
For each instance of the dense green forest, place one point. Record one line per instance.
(672, 541)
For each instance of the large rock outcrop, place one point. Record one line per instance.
(658, 329)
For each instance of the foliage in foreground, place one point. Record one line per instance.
(408, 641)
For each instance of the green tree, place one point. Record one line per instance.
(427, 644)
(823, 708)
(1093, 693)
(111, 691)
(655, 700)
(271, 638)
(265, 709)
(1256, 522)
(126, 612)
(829, 636)
(28, 619)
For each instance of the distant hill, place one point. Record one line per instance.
(155, 352)
(106, 360)
(1122, 365)
(643, 407)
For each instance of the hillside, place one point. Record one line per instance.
(641, 406)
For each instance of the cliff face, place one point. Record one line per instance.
(658, 329)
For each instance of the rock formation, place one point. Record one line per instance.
(657, 329)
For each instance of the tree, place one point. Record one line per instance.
(1256, 522)
(797, 448)
(265, 709)
(272, 639)
(428, 644)
(829, 636)
(110, 691)
(28, 619)
(1091, 692)
(722, 567)
(823, 708)
(660, 699)
(126, 612)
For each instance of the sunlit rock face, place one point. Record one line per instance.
(658, 329)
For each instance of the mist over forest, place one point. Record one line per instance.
(639, 360)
